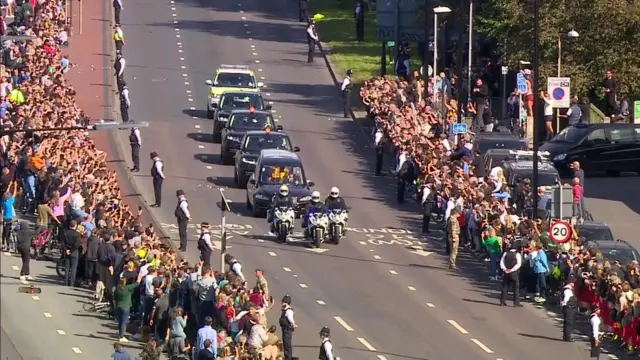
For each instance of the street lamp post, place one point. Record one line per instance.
(436, 11)
(470, 50)
(570, 35)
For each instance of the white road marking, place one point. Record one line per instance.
(250, 39)
(190, 100)
(273, 111)
(381, 357)
(186, 83)
(482, 346)
(430, 305)
(173, 2)
(243, 18)
(259, 70)
(270, 102)
(35, 298)
(241, 11)
(612, 356)
(192, 108)
(178, 35)
(304, 286)
(366, 344)
(197, 126)
(320, 302)
(255, 54)
(248, 32)
(76, 350)
(181, 59)
(343, 324)
(457, 326)
(176, 29)
(209, 167)
(179, 50)
(200, 146)
(47, 315)
(179, 44)
(371, 250)
(286, 269)
(262, 77)
(377, 257)
(362, 243)
(252, 45)
(411, 288)
(260, 240)
(188, 91)
(15, 268)
(257, 61)
(185, 75)
(174, 15)
(294, 275)
(173, 9)
(7, 253)
(269, 94)
(245, 25)
(393, 272)
(271, 253)
(175, 21)
(183, 67)
(25, 282)
(61, 332)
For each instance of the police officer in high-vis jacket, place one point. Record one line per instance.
(287, 324)
(326, 348)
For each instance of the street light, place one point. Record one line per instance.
(436, 11)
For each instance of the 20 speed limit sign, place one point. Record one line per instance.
(560, 232)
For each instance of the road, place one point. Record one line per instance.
(381, 297)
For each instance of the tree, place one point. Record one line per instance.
(609, 39)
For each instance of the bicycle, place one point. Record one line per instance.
(43, 242)
(96, 307)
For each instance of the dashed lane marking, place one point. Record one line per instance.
(381, 357)
(320, 302)
(183, 67)
(371, 250)
(286, 269)
(366, 344)
(362, 243)
(271, 253)
(259, 70)
(76, 350)
(185, 75)
(197, 126)
(457, 326)
(175, 21)
(47, 315)
(304, 286)
(180, 50)
(243, 18)
(411, 288)
(269, 94)
(179, 44)
(173, 9)
(250, 39)
(245, 25)
(343, 323)
(430, 305)
(393, 272)
(294, 275)
(257, 61)
(35, 298)
(254, 54)
(181, 59)
(186, 83)
(262, 78)
(200, 146)
(174, 15)
(482, 346)
(377, 257)
(209, 167)
(188, 91)
(612, 356)
(15, 268)
(260, 240)
(61, 332)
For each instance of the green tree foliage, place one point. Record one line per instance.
(609, 39)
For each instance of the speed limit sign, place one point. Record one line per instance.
(560, 231)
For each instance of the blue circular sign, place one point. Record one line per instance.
(558, 94)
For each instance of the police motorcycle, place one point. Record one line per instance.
(338, 215)
(315, 221)
(282, 215)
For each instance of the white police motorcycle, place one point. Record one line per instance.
(317, 225)
(337, 224)
(283, 221)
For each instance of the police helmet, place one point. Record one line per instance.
(349, 72)
(284, 190)
(335, 192)
(315, 196)
(325, 331)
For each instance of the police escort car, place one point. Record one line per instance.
(273, 169)
(241, 121)
(521, 167)
(253, 143)
(230, 78)
(233, 101)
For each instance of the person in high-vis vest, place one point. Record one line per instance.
(118, 37)
(16, 96)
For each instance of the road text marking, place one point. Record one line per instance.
(457, 326)
(366, 344)
(482, 346)
(362, 243)
(343, 324)
(15, 268)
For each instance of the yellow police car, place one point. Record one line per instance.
(230, 77)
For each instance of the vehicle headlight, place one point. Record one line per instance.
(215, 99)
(261, 197)
(248, 161)
(233, 138)
(222, 118)
(559, 157)
(306, 198)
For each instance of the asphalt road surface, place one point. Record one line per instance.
(384, 291)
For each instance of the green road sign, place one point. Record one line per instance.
(636, 111)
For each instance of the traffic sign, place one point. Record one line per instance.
(560, 231)
(459, 128)
(522, 83)
(560, 90)
(505, 70)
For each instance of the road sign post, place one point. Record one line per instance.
(560, 90)
(560, 231)
(459, 128)
(522, 89)
(224, 207)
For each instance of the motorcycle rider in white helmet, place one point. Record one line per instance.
(281, 199)
(335, 201)
(313, 206)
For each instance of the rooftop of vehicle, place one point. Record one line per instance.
(275, 155)
(592, 225)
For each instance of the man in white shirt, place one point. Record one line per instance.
(346, 88)
(569, 305)
(118, 67)
(312, 38)
(125, 102)
(510, 263)
(596, 332)
(379, 145)
(326, 348)
(157, 173)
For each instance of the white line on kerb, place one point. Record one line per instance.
(482, 346)
(366, 344)
(457, 326)
(343, 324)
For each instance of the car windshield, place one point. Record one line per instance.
(623, 255)
(235, 80)
(595, 233)
(486, 144)
(571, 135)
(253, 121)
(544, 178)
(257, 143)
(278, 175)
(241, 101)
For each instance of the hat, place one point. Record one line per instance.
(286, 299)
(153, 154)
(204, 224)
(179, 192)
(325, 331)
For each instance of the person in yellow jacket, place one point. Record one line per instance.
(118, 38)
(16, 96)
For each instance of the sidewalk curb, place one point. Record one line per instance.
(110, 99)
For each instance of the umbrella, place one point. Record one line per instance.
(317, 17)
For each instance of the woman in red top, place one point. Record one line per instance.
(49, 49)
(256, 297)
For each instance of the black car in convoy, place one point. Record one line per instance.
(616, 250)
(275, 168)
(498, 140)
(594, 230)
(515, 171)
(252, 144)
(231, 101)
(241, 121)
(609, 148)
